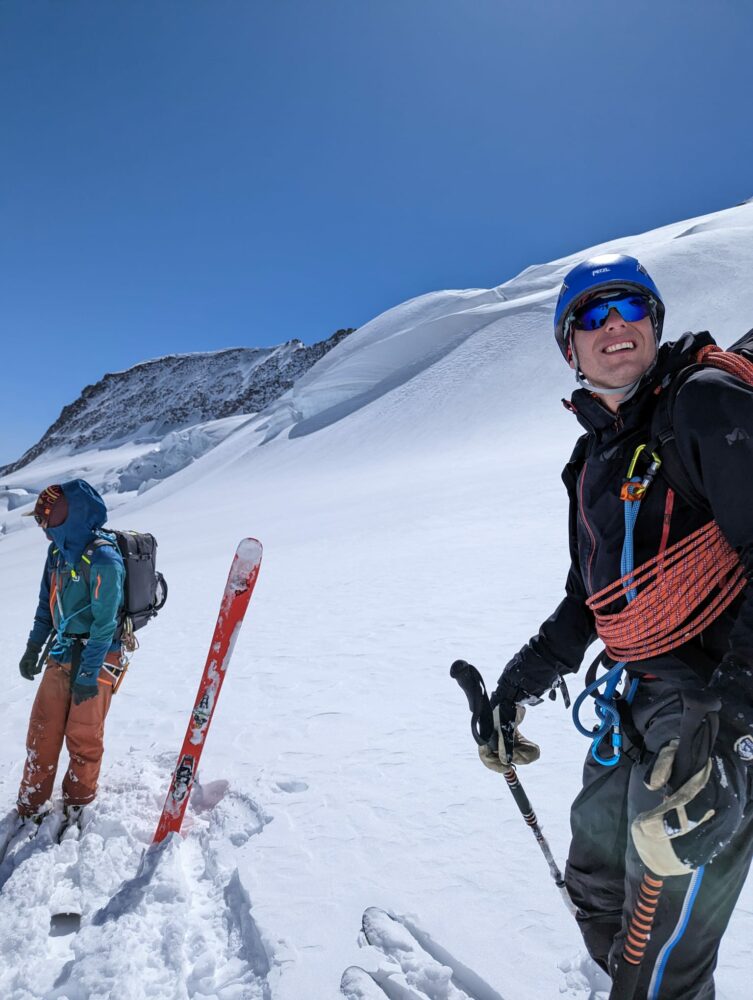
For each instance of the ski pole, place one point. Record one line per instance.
(482, 728)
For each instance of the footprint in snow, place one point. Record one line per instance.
(237, 817)
(292, 786)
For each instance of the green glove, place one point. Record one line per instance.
(29, 666)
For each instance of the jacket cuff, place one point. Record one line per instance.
(524, 680)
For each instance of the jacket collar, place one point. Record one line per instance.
(671, 358)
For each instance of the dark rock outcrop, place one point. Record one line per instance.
(151, 399)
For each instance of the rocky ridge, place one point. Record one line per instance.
(155, 398)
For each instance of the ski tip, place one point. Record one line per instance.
(357, 984)
(249, 548)
(374, 917)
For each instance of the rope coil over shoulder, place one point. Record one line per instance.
(682, 591)
(670, 599)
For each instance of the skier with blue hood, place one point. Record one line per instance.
(80, 598)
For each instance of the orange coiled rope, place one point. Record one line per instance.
(681, 592)
(734, 364)
(683, 589)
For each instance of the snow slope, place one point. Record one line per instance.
(407, 494)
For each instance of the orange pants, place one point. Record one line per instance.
(54, 717)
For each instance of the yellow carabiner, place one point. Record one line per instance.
(636, 456)
(634, 462)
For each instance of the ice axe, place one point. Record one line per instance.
(47, 646)
(482, 728)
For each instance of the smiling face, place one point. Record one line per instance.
(615, 354)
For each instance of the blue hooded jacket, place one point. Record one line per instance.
(66, 604)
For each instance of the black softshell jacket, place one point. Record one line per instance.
(713, 425)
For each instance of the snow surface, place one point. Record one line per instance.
(407, 494)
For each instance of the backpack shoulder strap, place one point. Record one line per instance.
(663, 441)
(88, 554)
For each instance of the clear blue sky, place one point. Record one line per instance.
(184, 175)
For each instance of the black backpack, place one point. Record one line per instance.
(145, 589)
(663, 434)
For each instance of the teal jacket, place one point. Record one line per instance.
(66, 603)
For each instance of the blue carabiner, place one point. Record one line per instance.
(606, 712)
(610, 725)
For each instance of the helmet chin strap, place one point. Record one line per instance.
(626, 391)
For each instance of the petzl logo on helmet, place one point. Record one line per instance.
(744, 748)
(601, 270)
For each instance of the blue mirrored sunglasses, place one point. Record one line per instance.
(594, 314)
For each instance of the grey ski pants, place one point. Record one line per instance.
(603, 871)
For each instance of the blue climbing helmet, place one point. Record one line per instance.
(611, 272)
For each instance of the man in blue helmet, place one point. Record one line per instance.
(80, 597)
(662, 472)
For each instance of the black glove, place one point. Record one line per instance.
(83, 692)
(29, 665)
(732, 681)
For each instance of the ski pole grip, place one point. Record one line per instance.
(472, 684)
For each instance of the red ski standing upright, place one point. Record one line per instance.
(240, 585)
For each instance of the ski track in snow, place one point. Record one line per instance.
(412, 966)
(191, 933)
(416, 965)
